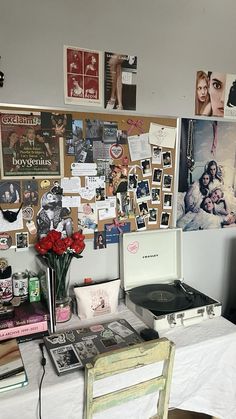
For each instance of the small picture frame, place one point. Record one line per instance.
(22, 240)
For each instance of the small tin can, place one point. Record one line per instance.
(6, 284)
(20, 285)
(34, 287)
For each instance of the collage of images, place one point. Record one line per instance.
(117, 182)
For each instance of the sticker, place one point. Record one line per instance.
(5, 241)
(31, 227)
(27, 213)
(3, 263)
(44, 184)
(133, 247)
(116, 151)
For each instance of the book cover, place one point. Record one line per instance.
(26, 313)
(72, 349)
(12, 372)
(27, 329)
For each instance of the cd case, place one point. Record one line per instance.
(72, 349)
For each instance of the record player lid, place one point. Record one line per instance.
(151, 257)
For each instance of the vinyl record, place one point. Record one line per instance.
(164, 298)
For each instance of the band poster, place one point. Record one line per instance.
(215, 94)
(207, 175)
(28, 148)
(83, 74)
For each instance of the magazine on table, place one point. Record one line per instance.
(71, 349)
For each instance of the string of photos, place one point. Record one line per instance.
(97, 173)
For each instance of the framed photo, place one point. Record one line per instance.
(27, 151)
(83, 75)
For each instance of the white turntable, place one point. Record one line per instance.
(151, 274)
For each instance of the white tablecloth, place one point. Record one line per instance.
(204, 377)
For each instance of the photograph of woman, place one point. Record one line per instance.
(206, 197)
(120, 81)
(210, 93)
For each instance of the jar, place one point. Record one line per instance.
(20, 282)
(63, 310)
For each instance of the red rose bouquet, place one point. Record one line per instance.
(59, 253)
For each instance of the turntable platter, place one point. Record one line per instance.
(165, 298)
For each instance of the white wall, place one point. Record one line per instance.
(172, 39)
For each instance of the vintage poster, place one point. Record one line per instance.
(215, 94)
(207, 175)
(120, 81)
(26, 150)
(83, 75)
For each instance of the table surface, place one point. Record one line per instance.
(204, 376)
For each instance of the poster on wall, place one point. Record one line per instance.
(207, 175)
(25, 149)
(120, 81)
(215, 94)
(83, 75)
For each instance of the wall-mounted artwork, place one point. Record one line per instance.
(83, 74)
(207, 175)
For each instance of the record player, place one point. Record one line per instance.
(151, 273)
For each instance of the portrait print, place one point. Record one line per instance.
(206, 194)
(210, 93)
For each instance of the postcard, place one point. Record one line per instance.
(162, 135)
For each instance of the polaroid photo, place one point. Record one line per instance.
(153, 214)
(132, 182)
(167, 200)
(121, 137)
(143, 191)
(165, 220)
(100, 240)
(156, 195)
(65, 358)
(140, 223)
(156, 155)
(146, 167)
(22, 241)
(157, 176)
(143, 208)
(100, 194)
(167, 159)
(167, 182)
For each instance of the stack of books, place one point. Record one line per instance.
(12, 371)
(30, 321)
